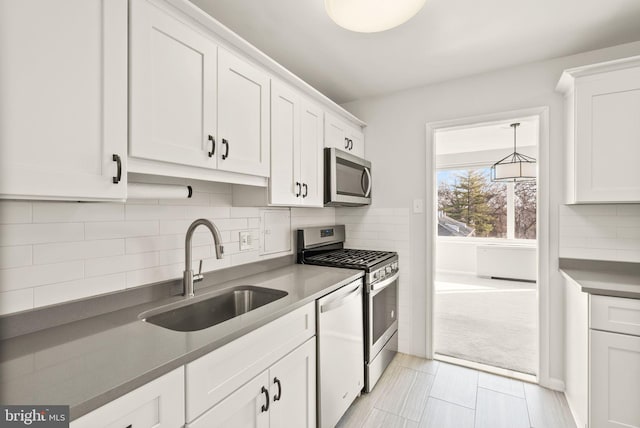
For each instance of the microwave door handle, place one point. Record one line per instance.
(367, 191)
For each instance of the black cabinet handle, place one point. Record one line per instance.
(279, 394)
(129, 426)
(350, 144)
(265, 407)
(225, 143)
(118, 162)
(346, 143)
(299, 190)
(304, 186)
(213, 146)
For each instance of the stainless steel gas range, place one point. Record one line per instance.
(325, 246)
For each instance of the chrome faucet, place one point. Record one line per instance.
(189, 278)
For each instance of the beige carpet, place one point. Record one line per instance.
(487, 321)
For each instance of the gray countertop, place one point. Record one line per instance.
(88, 363)
(618, 279)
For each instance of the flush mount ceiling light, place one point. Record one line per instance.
(371, 16)
(514, 167)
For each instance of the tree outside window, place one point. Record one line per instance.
(471, 205)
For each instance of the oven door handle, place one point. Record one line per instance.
(341, 301)
(381, 285)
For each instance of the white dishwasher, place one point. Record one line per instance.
(340, 352)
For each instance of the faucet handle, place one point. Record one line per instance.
(199, 276)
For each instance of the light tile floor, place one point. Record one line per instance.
(419, 393)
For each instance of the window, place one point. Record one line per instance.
(471, 205)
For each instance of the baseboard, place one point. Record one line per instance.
(553, 383)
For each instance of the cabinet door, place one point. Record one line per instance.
(173, 88)
(158, 404)
(356, 146)
(335, 133)
(247, 407)
(608, 137)
(63, 80)
(243, 106)
(293, 389)
(614, 380)
(284, 185)
(311, 155)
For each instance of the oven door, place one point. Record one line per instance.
(347, 179)
(383, 314)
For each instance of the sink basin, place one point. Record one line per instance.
(215, 310)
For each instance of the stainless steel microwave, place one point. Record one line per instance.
(347, 179)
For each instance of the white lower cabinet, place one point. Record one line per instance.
(283, 396)
(218, 375)
(158, 404)
(615, 380)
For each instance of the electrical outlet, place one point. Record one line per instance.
(245, 241)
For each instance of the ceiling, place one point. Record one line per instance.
(488, 136)
(447, 39)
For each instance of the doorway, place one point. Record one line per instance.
(485, 306)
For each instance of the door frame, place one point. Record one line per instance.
(543, 201)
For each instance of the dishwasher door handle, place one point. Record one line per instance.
(341, 301)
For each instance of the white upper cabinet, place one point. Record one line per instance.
(63, 109)
(243, 116)
(602, 132)
(311, 154)
(284, 184)
(173, 89)
(343, 136)
(296, 149)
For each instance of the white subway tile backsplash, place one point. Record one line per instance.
(64, 212)
(606, 232)
(108, 265)
(120, 229)
(67, 251)
(31, 276)
(155, 212)
(15, 212)
(212, 213)
(168, 257)
(16, 300)
(23, 234)
(51, 252)
(154, 274)
(16, 256)
(72, 290)
(630, 209)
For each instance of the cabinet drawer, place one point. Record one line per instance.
(158, 404)
(615, 314)
(214, 376)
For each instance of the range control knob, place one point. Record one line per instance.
(388, 269)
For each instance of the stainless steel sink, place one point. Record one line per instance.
(214, 310)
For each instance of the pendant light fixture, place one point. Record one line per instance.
(371, 16)
(514, 167)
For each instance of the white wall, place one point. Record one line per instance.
(52, 252)
(395, 143)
